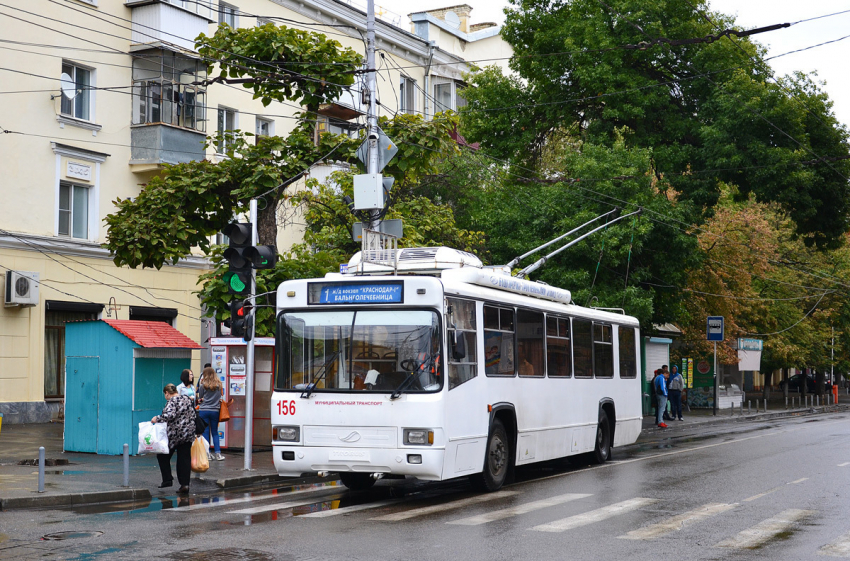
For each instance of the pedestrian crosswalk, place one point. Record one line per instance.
(650, 518)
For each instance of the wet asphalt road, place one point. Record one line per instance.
(768, 490)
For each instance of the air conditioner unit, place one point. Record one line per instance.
(21, 288)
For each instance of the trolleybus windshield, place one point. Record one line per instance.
(364, 350)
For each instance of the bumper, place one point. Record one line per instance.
(311, 459)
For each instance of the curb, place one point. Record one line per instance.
(266, 478)
(765, 416)
(41, 501)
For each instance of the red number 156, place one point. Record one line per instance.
(286, 408)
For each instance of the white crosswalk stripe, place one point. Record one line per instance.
(519, 509)
(838, 548)
(283, 506)
(347, 509)
(424, 511)
(256, 498)
(678, 522)
(594, 515)
(765, 530)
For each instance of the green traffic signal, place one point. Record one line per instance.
(235, 283)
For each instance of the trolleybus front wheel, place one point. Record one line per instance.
(496, 461)
(602, 450)
(357, 481)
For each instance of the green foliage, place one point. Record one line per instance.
(282, 63)
(707, 111)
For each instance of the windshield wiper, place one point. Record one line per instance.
(308, 391)
(410, 377)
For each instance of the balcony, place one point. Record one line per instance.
(168, 22)
(154, 145)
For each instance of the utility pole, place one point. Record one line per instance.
(249, 358)
(372, 111)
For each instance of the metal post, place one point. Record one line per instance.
(126, 465)
(715, 378)
(372, 110)
(765, 406)
(41, 469)
(757, 406)
(731, 409)
(749, 404)
(786, 403)
(249, 358)
(742, 407)
(818, 398)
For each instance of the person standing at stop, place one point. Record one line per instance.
(661, 397)
(674, 388)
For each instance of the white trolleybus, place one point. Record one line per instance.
(442, 368)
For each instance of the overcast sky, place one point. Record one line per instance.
(830, 61)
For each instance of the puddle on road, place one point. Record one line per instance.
(71, 535)
(228, 554)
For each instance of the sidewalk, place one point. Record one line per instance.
(775, 410)
(75, 478)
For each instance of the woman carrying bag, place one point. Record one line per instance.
(209, 398)
(179, 416)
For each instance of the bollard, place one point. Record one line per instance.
(126, 465)
(818, 398)
(765, 406)
(786, 403)
(749, 403)
(731, 409)
(742, 407)
(41, 469)
(757, 406)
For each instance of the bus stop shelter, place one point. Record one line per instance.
(115, 372)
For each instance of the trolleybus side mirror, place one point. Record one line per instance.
(458, 345)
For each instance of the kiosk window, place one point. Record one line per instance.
(583, 348)
(558, 359)
(530, 343)
(628, 356)
(498, 341)
(463, 344)
(603, 351)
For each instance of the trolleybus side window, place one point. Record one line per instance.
(628, 356)
(558, 358)
(603, 351)
(463, 343)
(583, 348)
(498, 341)
(530, 343)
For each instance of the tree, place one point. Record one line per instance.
(708, 110)
(181, 208)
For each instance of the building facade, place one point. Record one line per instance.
(98, 95)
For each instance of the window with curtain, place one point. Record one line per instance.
(79, 106)
(54, 349)
(73, 210)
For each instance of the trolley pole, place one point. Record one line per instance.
(372, 110)
(249, 358)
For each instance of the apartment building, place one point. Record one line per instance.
(97, 95)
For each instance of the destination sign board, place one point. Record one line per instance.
(391, 292)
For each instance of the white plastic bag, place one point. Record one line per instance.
(153, 438)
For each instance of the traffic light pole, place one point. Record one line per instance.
(249, 358)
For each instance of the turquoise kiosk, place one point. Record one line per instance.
(114, 374)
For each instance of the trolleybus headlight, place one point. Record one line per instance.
(421, 437)
(287, 434)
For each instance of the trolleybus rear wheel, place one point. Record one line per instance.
(602, 449)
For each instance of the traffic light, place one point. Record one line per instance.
(241, 320)
(262, 256)
(238, 278)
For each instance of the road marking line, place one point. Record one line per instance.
(673, 453)
(765, 530)
(347, 509)
(838, 548)
(760, 495)
(798, 481)
(678, 522)
(283, 506)
(594, 515)
(844, 464)
(519, 509)
(258, 497)
(395, 517)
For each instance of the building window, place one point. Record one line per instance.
(460, 101)
(407, 96)
(337, 126)
(265, 127)
(164, 90)
(443, 97)
(80, 106)
(221, 239)
(73, 210)
(261, 21)
(227, 14)
(226, 124)
(54, 345)
(463, 341)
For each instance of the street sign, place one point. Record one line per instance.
(714, 328)
(750, 345)
(387, 149)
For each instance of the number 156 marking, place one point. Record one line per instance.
(286, 408)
